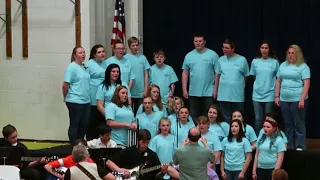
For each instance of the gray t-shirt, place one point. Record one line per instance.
(193, 160)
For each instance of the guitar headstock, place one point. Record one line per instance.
(51, 158)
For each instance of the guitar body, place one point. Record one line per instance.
(133, 173)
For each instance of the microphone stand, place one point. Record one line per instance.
(177, 126)
(137, 132)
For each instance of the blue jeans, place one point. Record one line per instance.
(79, 118)
(294, 123)
(51, 177)
(228, 107)
(260, 111)
(233, 175)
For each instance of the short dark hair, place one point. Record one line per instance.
(199, 35)
(144, 135)
(8, 130)
(194, 138)
(231, 42)
(80, 141)
(104, 129)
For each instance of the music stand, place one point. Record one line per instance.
(99, 156)
(10, 155)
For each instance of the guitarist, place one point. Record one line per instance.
(138, 155)
(10, 139)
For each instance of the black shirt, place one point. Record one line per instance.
(131, 157)
(13, 155)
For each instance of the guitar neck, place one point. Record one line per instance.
(31, 158)
(153, 168)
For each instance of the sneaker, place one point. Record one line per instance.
(299, 149)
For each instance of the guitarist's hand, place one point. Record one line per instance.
(126, 172)
(164, 168)
(43, 160)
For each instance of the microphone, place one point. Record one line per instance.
(137, 132)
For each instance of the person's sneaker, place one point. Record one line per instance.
(299, 149)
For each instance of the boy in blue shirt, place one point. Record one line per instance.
(163, 76)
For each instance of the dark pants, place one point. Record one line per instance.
(228, 107)
(264, 174)
(136, 102)
(199, 106)
(79, 118)
(218, 170)
(96, 118)
(294, 123)
(260, 111)
(234, 175)
(29, 173)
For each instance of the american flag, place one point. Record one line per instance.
(119, 23)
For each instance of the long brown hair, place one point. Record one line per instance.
(74, 51)
(219, 115)
(158, 102)
(116, 99)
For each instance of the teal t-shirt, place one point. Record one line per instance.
(164, 147)
(139, 65)
(125, 68)
(235, 153)
(267, 158)
(265, 72)
(232, 73)
(250, 133)
(79, 84)
(123, 115)
(106, 94)
(220, 130)
(155, 108)
(163, 77)
(173, 119)
(149, 122)
(212, 140)
(97, 72)
(282, 135)
(292, 77)
(182, 131)
(202, 67)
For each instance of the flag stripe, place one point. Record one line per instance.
(119, 23)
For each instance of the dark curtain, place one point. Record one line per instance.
(170, 25)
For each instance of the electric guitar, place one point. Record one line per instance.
(138, 171)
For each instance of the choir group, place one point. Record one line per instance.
(127, 94)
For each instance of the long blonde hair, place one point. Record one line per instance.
(172, 104)
(298, 53)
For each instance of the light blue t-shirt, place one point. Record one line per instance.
(282, 134)
(232, 73)
(182, 131)
(79, 84)
(250, 133)
(164, 147)
(292, 77)
(202, 68)
(149, 122)
(122, 115)
(267, 158)
(235, 153)
(163, 77)
(155, 108)
(220, 130)
(173, 119)
(97, 72)
(125, 68)
(265, 72)
(212, 140)
(106, 94)
(139, 64)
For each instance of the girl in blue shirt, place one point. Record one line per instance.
(291, 95)
(154, 93)
(106, 89)
(96, 71)
(173, 106)
(76, 94)
(269, 153)
(149, 119)
(217, 126)
(120, 117)
(180, 129)
(236, 153)
(264, 69)
(247, 129)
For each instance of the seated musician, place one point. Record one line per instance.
(10, 139)
(84, 170)
(135, 156)
(68, 162)
(104, 140)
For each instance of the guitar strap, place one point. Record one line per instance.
(86, 172)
